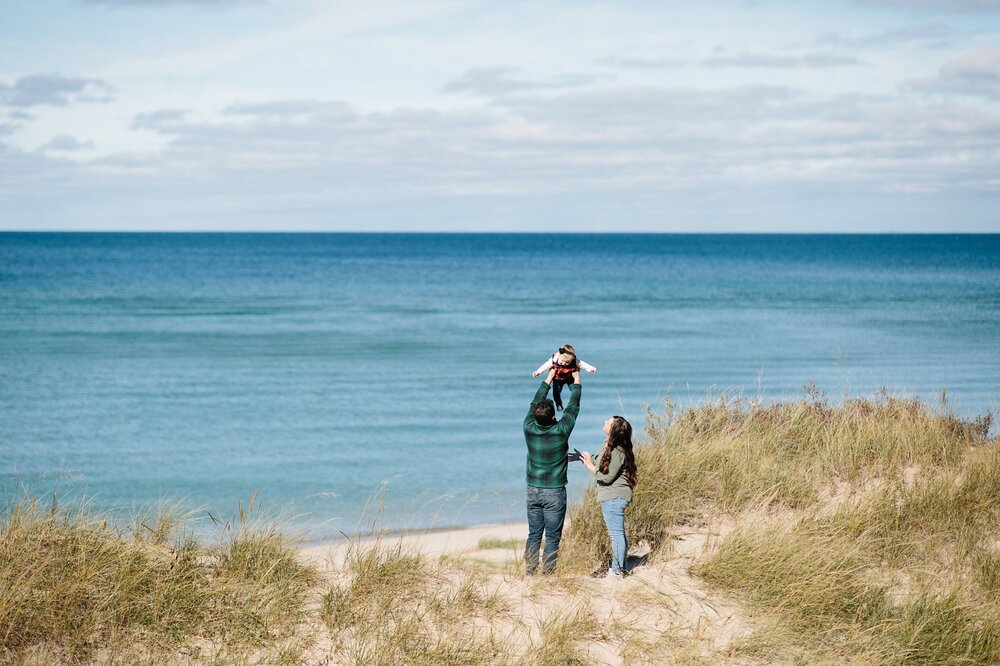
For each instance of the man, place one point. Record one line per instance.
(548, 445)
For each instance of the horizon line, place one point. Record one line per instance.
(496, 233)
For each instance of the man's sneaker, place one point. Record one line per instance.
(612, 575)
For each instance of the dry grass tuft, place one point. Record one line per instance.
(564, 636)
(77, 586)
(493, 543)
(393, 605)
(901, 568)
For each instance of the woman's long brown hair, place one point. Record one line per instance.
(620, 437)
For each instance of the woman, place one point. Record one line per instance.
(615, 474)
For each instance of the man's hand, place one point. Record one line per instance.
(552, 373)
(576, 376)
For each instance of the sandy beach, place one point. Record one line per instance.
(456, 541)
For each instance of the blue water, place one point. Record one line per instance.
(313, 368)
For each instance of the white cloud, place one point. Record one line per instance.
(64, 142)
(976, 73)
(499, 81)
(632, 62)
(938, 6)
(933, 35)
(782, 60)
(52, 90)
(163, 3)
(158, 120)
(982, 65)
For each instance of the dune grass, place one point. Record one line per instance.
(872, 527)
(493, 543)
(77, 585)
(394, 605)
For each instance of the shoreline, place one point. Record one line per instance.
(403, 532)
(431, 541)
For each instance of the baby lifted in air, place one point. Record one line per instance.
(565, 363)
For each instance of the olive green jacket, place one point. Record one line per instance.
(612, 484)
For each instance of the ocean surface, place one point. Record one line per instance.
(324, 370)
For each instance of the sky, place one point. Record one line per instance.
(453, 115)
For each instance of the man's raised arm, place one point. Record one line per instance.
(540, 394)
(572, 410)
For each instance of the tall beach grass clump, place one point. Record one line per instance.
(79, 586)
(872, 527)
(395, 605)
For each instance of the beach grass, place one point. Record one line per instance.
(871, 527)
(392, 604)
(78, 585)
(493, 543)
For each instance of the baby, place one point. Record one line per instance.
(565, 364)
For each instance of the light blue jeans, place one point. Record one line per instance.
(614, 518)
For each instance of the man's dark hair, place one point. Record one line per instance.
(545, 413)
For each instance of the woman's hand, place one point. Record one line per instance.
(588, 461)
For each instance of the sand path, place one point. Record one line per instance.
(660, 614)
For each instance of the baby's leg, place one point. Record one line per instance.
(557, 386)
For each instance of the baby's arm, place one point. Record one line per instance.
(542, 368)
(586, 366)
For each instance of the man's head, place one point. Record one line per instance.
(545, 413)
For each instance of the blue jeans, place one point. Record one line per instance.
(614, 518)
(546, 512)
